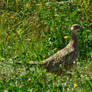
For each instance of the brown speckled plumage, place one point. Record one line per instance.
(64, 57)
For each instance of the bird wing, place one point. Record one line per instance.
(59, 57)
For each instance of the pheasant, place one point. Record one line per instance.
(65, 57)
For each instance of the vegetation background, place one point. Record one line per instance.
(33, 30)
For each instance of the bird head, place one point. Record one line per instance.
(75, 27)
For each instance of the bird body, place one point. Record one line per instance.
(65, 56)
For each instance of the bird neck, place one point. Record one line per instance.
(73, 36)
(74, 40)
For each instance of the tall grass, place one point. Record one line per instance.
(35, 30)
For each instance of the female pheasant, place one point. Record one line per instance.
(65, 57)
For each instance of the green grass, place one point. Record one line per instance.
(33, 31)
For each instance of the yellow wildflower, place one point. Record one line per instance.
(47, 91)
(8, 37)
(43, 56)
(65, 37)
(8, 13)
(12, 17)
(75, 85)
(20, 31)
(2, 15)
(55, 48)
